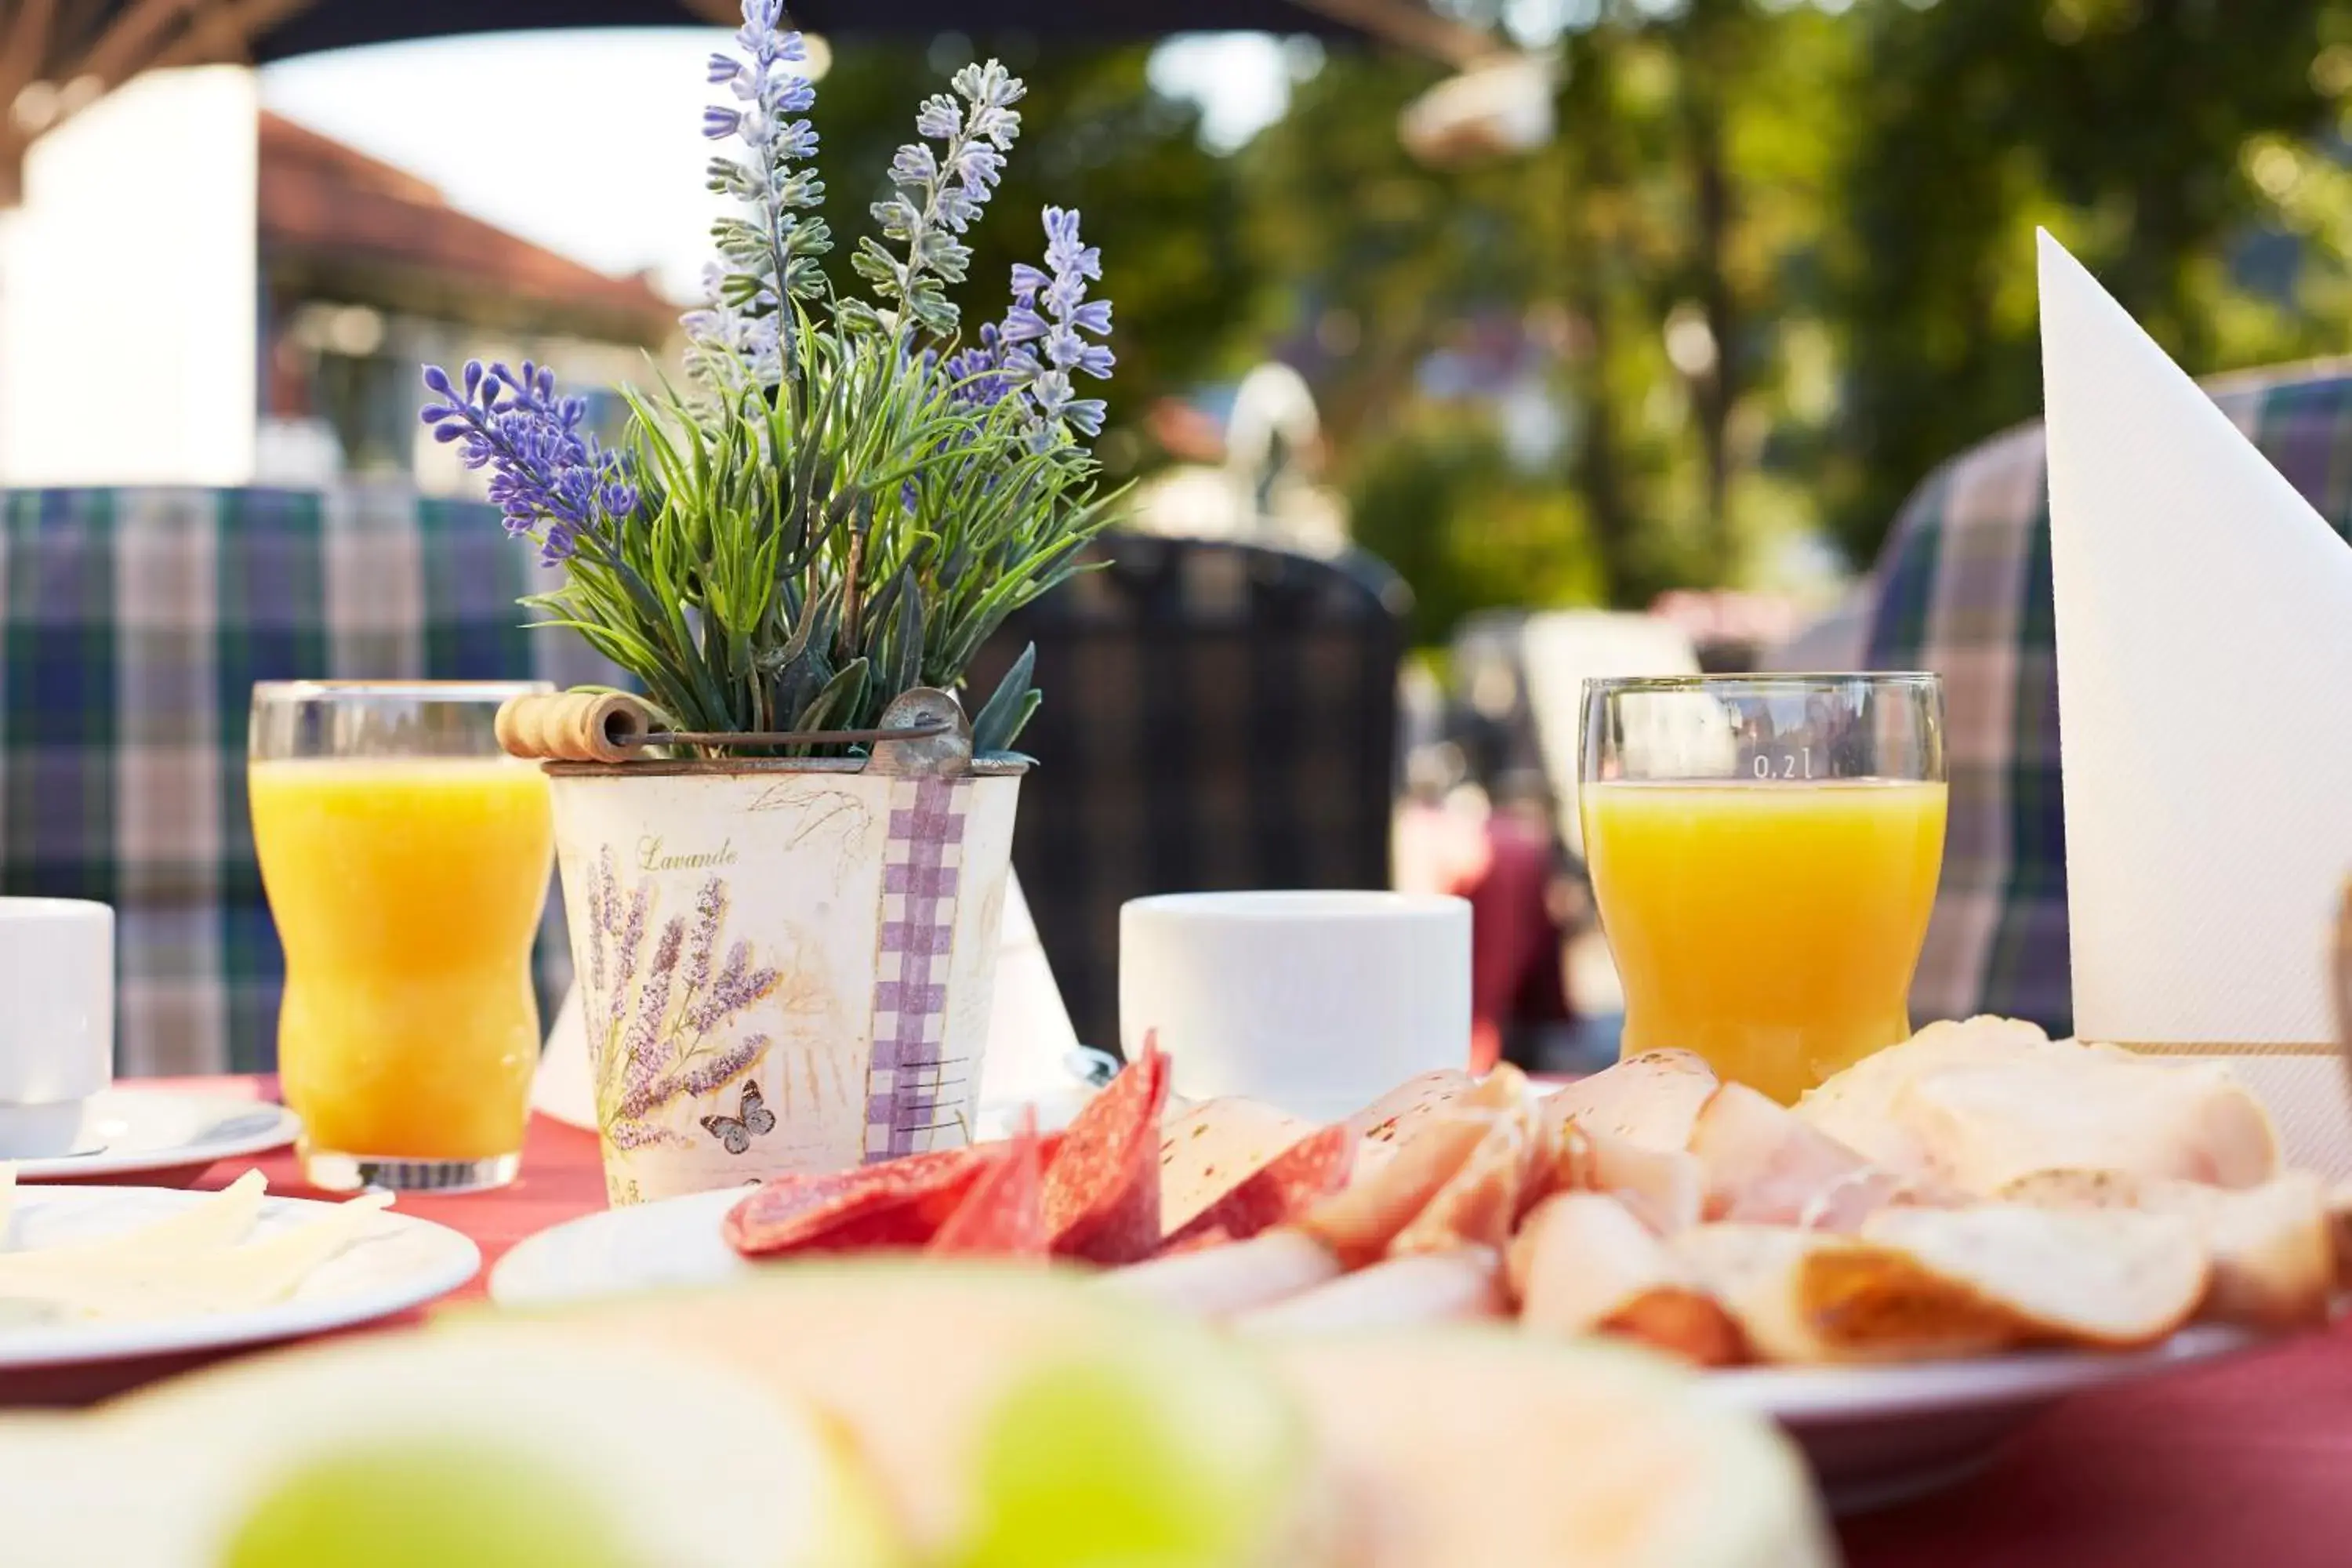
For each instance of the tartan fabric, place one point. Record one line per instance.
(1217, 716)
(137, 623)
(1962, 587)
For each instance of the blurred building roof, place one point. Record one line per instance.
(337, 224)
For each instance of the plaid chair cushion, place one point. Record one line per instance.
(1216, 716)
(137, 623)
(1962, 587)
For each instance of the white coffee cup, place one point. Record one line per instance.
(1317, 1003)
(57, 1020)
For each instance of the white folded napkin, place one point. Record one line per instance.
(2204, 631)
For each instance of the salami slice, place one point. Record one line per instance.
(1004, 1213)
(900, 1203)
(1284, 1187)
(1102, 1189)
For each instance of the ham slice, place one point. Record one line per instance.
(1360, 1221)
(1221, 1281)
(1582, 1264)
(1983, 1104)
(1652, 1100)
(1428, 1287)
(1766, 1166)
(1207, 1151)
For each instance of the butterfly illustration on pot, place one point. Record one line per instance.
(752, 1118)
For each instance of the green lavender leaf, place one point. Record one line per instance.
(1001, 718)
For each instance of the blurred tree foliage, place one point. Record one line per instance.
(1662, 251)
(1775, 265)
(1505, 542)
(2173, 144)
(1096, 136)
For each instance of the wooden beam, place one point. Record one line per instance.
(23, 48)
(38, 44)
(132, 40)
(13, 143)
(225, 30)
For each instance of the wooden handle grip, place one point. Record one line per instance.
(573, 726)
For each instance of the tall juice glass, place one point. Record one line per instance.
(406, 860)
(1764, 851)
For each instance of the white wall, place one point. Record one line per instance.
(128, 290)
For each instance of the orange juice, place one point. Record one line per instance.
(407, 894)
(1770, 928)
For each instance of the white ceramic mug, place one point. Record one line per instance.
(57, 1020)
(1315, 1002)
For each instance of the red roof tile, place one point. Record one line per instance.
(328, 205)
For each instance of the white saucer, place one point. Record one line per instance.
(128, 1132)
(400, 1263)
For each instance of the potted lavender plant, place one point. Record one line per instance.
(786, 949)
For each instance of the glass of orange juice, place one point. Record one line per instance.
(407, 859)
(1764, 851)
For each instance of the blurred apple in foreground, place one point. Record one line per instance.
(910, 1414)
(1170, 1450)
(1015, 1417)
(395, 1504)
(488, 1449)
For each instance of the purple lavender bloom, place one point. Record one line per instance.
(1044, 334)
(628, 1132)
(716, 1072)
(977, 371)
(709, 911)
(651, 1043)
(739, 986)
(596, 927)
(768, 255)
(549, 479)
(632, 942)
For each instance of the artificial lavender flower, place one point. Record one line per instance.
(940, 193)
(725, 342)
(549, 479)
(977, 371)
(769, 255)
(1044, 333)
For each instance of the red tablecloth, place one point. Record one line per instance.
(2246, 1464)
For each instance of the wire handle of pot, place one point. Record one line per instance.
(614, 727)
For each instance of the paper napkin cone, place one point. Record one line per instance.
(1030, 1039)
(2204, 638)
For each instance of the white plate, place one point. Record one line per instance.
(143, 1131)
(1883, 1435)
(673, 1242)
(400, 1263)
(1874, 1434)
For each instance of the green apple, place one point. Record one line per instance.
(1013, 1415)
(407, 1503)
(495, 1446)
(1167, 1448)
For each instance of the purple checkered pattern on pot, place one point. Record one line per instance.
(911, 1085)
